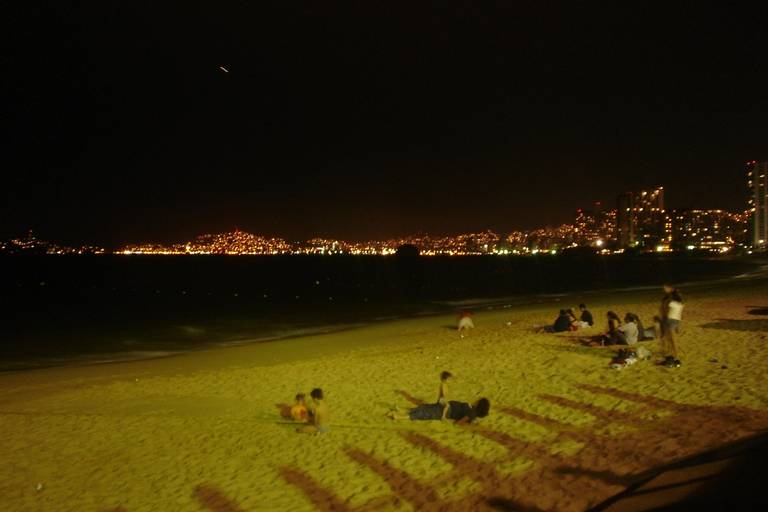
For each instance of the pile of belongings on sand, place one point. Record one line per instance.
(629, 356)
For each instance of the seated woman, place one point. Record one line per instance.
(563, 322)
(613, 336)
(461, 412)
(629, 331)
(586, 316)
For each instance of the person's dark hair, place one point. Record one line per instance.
(582, 306)
(482, 407)
(317, 394)
(300, 396)
(445, 375)
(562, 311)
(630, 317)
(613, 316)
(676, 296)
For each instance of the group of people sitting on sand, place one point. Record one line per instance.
(666, 326)
(567, 320)
(630, 329)
(626, 332)
(316, 415)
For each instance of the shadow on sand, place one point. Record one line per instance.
(740, 486)
(756, 325)
(669, 456)
(659, 434)
(412, 399)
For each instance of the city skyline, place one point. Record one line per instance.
(602, 230)
(369, 120)
(637, 219)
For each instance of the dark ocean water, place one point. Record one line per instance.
(64, 309)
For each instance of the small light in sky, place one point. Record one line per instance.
(224, 69)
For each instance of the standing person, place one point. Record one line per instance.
(586, 316)
(671, 313)
(442, 393)
(320, 414)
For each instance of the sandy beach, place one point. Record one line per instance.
(202, 431)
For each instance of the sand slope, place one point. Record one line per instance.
(203, 431)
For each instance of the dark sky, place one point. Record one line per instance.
(370, 119)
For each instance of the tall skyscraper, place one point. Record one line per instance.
(641, 218)
(757, 181)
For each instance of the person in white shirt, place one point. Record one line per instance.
(629, 331)
(671, 315)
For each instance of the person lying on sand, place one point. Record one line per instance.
(320, 414)
(460, 412)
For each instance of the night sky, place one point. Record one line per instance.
(370, 119)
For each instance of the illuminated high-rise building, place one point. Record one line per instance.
(594, 227)
(706, 229)
(584, 227)
(757, 181)
(641, 219)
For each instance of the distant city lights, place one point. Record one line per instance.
(639, 223)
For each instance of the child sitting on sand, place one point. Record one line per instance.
(299, 409)
(320, 414)
(465, 322)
